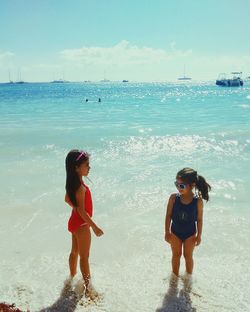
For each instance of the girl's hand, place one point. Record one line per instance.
(98, 232)
(197, 240)
(168, 237)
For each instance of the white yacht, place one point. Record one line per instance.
(233, 80)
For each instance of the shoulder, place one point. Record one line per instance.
(172, 198)
(81, 190)
(85, 186)
(199, 202)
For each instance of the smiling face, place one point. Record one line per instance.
(83, 169)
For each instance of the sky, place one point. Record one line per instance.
(138, 40)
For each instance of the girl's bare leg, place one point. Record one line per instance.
(176, 245)
(73, 257)
(189, 245)
(83, 237)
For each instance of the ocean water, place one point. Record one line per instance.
(139, 136)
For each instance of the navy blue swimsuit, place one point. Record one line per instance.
(184, 218)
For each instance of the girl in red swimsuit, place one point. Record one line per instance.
(78, 196)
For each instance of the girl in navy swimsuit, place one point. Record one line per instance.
(183, 224)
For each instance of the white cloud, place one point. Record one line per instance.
(123, 61)
(122, 54)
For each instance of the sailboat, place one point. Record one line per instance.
(184, 75)
(19, 81)
(60, 80)
(10, 81)
(104, 78)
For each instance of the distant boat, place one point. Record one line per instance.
(184, 77)
(19, 79)
(124, 80)
(234, 80)
(104, 78)
(59, 78)
(10, 80)
(59, 81)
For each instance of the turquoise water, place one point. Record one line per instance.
(139, 136)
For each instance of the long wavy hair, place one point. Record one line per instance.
(190, 176)
(73, 160)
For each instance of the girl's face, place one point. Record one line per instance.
(183, 187)
(83, 169)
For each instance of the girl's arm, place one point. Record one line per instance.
(168, 217)
(199, 221)
(80, 208)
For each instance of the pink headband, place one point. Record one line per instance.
(82, 153)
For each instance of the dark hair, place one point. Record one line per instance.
(190, 176)
(73, 160)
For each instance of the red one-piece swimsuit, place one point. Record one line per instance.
(75, 220)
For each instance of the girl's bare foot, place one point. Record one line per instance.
(90, 292)
(80, 288)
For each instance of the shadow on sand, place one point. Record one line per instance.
(67, 302)
(177, 300)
